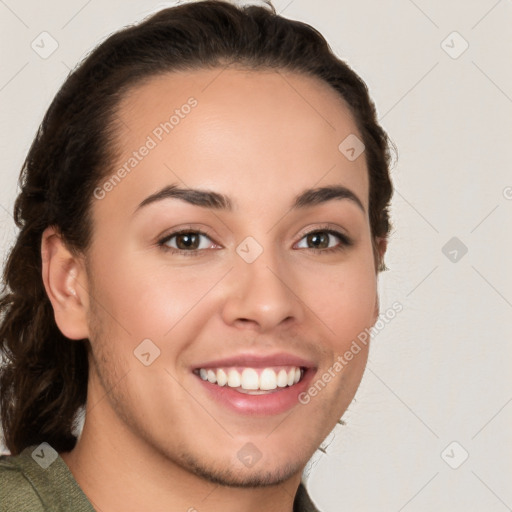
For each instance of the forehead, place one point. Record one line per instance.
(231, 129)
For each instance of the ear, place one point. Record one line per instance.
(64, 279)
(380, 246)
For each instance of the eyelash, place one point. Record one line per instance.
(345, 241)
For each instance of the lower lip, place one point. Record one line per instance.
(267, 404)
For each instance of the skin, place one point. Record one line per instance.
(261, 138)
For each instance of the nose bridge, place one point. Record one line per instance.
(260, 293)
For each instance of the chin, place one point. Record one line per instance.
(259, 475)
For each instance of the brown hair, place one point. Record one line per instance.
(43, 378)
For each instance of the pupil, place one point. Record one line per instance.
(322, 238)
(187, 241)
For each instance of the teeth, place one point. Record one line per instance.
(222, 378)
(268, 379)
(234, 379)
(282, 378)
(250, 379)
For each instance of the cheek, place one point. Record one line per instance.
(343, 299)
(159, 300)
(137, 294)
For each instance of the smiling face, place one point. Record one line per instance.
(262, 268)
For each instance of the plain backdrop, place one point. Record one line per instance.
(430, 426)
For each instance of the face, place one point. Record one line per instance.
(257, 289)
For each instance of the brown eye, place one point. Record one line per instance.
(318, 240)
(192, 242)
(324, 240)
(186, 241)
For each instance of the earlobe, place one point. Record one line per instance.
(380, 249)
(62, 273)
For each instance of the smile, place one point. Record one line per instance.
(253, 380)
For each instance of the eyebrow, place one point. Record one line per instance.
(217, 201)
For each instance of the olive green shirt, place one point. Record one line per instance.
(38, 480)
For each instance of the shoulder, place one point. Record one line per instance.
(17, 494)
(39, 480)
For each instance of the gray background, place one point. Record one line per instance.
(439, 372)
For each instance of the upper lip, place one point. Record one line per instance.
(257, 361)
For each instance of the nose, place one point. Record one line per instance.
(262, 295)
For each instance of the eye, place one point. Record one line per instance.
(324, 240)
(186, 241)
(191, 242)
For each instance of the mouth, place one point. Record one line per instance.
(255, 385)
(253, 381)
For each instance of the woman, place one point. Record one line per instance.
(203, 215)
